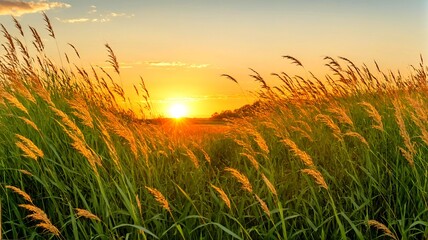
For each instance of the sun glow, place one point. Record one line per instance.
(177, 110)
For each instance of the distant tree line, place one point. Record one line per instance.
(246, 110)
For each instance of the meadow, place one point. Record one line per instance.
(341, 156)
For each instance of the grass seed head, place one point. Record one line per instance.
(159, 198)
(246, 185)
(20, 192)
(302, 155)
(383, 228)
(317, 176)
(86, 214)
(223, 195)
(269, 184)
(263, 205)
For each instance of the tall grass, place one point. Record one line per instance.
(333, 158)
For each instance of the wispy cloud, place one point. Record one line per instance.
(18, 7)
(93, 15)
(175, 64)
(74, 20)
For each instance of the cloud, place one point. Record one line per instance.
(74, 20)
(93, 9)
(18, 7)
(93, 15)
(176, 64)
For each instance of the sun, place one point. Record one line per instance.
(177, 110)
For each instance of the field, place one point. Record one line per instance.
(338, 157)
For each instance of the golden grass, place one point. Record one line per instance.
(341, 115)
(159, 198)
(246, 185)
(20, 192)
(25, 172)
(374, 114)
(81, 111)
(28, 147)
(38, 214)
(29, 123)
(317, 176)
(302, 155)
(269, 184)
(383, 228)
(140, 209)
(14, 101)
(86, 214)
(252, 160)
(358, 136)
(409, 151)
(337, 133)
(192, 157)
(223, 195)
(263, 205)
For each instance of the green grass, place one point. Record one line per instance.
(364, 182)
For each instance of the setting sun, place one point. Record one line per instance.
(177, 110)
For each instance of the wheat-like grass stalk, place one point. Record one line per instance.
(26, 150)
(48, 25)
(206, 155)
(383, 228)
(269, 184)
(86, 214)
(258, 138)
(357, 135)
(420, 117)
(374, 114)
(422, 127)
(140, 209)
(223, 195)
(39, 215)
(317, 176)
(23, 90)
(81, 146)
(192, 157)
(81, 111)
(304, 125)
(14, 101)
(28, 147)
(293, 60)
(252, 160)
(337, 133)
(42, 92)
(18, 26)
(25, 172)
(29, 123)
(114, 124)
(410, 150)
(341, 115)
(263, 205)
(246, 185)
(20, 192)
(109, 143)
(112, 58)
(159, 198)
(68, 122)
(302, 155)
(302, 132)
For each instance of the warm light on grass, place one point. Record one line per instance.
(177, 110)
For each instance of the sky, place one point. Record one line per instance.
(181, 48)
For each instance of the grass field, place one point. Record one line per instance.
(342, 157)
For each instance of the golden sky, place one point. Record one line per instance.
(181, 48)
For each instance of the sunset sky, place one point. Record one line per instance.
(181, 48)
